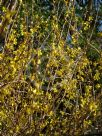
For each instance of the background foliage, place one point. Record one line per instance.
(50, 67)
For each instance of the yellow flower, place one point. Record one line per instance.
(39, 61)
(1, 56)
(97, 76)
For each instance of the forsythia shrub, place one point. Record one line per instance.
(48, 87)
